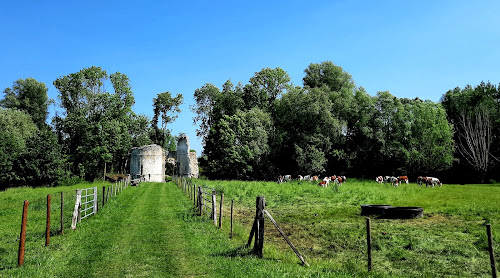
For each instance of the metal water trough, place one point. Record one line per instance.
(390, 212)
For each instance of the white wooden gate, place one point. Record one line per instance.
(85, 205)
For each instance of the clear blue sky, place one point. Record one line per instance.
(410, 48)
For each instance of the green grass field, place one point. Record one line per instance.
(151, 231)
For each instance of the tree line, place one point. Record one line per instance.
(252, 131)
(94, 128)
(330, 126)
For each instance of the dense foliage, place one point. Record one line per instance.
(327, 126)
(93, 132)
(252, 131)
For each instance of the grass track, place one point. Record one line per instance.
(150, 231)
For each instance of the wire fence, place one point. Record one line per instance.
(40, 221)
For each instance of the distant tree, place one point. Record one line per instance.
(96, 126)
(16, 129)
(30, 96)
(237, 146)
(167, 107)
(475, 113)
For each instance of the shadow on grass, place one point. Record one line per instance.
(241, 251)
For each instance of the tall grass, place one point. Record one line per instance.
(325, 224)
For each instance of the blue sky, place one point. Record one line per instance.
(409, 48)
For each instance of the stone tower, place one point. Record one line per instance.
(148, 162)
(183, 161)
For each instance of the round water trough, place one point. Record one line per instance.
(374, 209)
(403, 212)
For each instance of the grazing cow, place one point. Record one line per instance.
(288, 178)
(339, 180)
(280, 179)
(324, 182)
(421, 180)
(433, 181)
(343, 178)
(306, 178)
(392, 180)
(379, 179)
(403, 179)
(332, 178)
(315, 178)
(300, 178)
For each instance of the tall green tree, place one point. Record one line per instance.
(475, 113)
(166, 107)
(96, 126)
(16, 129)
(30, 96)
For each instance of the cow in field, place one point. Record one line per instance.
(300, 178)
(392, 180)
(315, 178)
(288, 178)
(379, 179)
(325, 182)
(433, 182)
(306, 178)
(421, 180)
(280, 179)
(403, 179)
(339, 180)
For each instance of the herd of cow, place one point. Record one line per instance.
(428, 181)
(339, 180)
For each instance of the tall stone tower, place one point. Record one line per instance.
(183, 160)
(148, 162)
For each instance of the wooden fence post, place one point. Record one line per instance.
(47, 226)
(369, 242)
(220, 210)
(107, 194)
(491, 251)
(232, 205)
(200, 200)
(76, 210)
(22, 236)
(62, 213)
(95, 200)
(103, 195)
(214, 207)
(259, 231)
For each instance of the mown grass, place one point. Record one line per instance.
(152, 231)
(325, 224)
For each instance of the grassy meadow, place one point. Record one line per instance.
(152, 231)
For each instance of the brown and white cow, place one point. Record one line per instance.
(403, 179)
(379, 179)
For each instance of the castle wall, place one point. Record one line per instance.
(148, 162)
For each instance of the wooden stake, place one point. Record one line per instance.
(286, 238)
(103, 195)
(62, 213)
(47, 230)
(220, 210)
(491, 251)
(22, 236)
(214, 207)
(232, 205)
(200, 200)
(76, 210)
(369, 242)
(259, 231)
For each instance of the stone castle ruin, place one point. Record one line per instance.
(148, 162)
